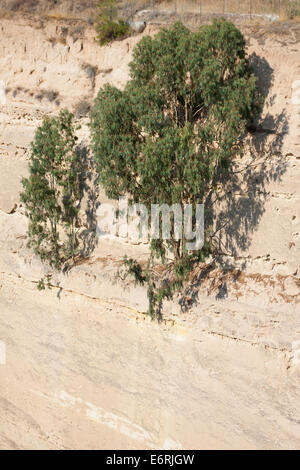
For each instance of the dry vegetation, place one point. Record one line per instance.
(82, 9)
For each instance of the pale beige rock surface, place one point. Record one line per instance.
(85, 367)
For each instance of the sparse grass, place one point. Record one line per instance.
(75, 32)
(57, 15)
(292, 9)
(84, 10)
(288, 9)
(15, 5)
(218, 6)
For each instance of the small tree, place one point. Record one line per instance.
(169, 135)
(51, 191)
(107, 24)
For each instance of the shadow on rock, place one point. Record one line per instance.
(234, 211)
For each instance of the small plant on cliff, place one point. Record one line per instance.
(51, 192)
(292, 9)
(170, 134)
(107, 24)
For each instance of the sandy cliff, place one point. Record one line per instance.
(85, 368)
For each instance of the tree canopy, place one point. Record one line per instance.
(179, 121)
(179, 118)
(51, 191)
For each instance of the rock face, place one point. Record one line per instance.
(82, 366)
(138, 26)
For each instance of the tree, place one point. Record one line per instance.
(172, 131)
(107, 24)
(51, 191)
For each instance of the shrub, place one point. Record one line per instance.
(29, 5)
(107, 24)
(51, 191)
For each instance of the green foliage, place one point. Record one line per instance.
(292, 9)
(163, 286)
(135, 269)
(170, 134)
(51, 192)
(107, 24)
(45, 282)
